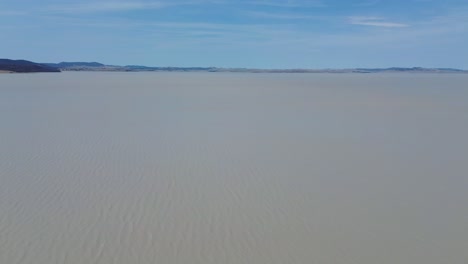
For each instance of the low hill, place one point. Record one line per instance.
(74, 64)
(24, 66)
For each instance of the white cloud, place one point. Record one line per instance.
(374, 22)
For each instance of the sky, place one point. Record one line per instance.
(242, 33)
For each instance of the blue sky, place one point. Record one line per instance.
(243, 33)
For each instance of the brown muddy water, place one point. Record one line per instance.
(218, 168)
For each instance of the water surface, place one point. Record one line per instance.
(233, 168)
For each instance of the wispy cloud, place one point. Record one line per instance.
(374, 22)
(288, 3)
(368, 3)
(12, 13)
(97, 7)
(259, 14)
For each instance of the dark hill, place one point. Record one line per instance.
(25, 66)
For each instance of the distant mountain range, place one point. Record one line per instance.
(28, 66)
(24, 66)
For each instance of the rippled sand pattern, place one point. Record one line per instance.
(233, 168)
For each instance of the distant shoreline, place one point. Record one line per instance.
(301, 71)
(23, 66)
(246, 70)
(96, 66)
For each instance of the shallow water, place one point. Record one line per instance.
(233, 168)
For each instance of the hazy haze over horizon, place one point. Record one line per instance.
(245, 33)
